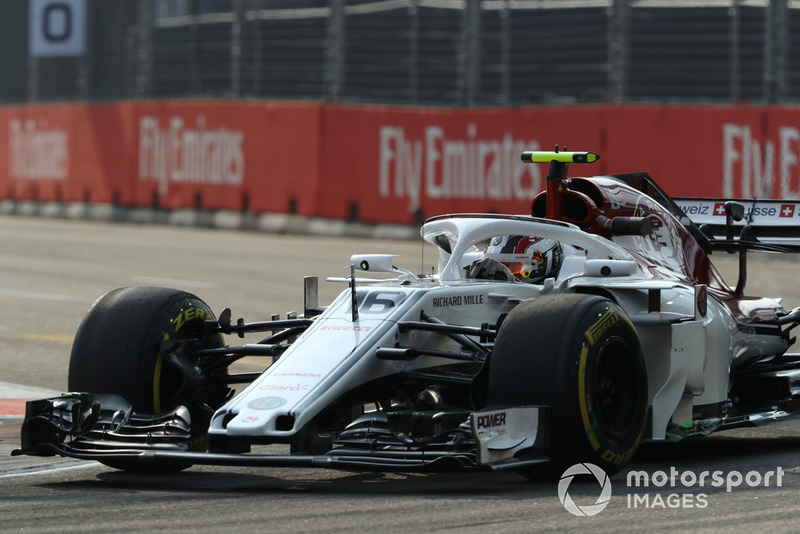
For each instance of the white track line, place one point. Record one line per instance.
(19, 391)
(172, 282)
(51, 470)
(33, 295)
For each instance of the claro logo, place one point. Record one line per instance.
(438, 167)
(180, 154)
(36, 151)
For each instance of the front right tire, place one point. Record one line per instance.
(581, 356)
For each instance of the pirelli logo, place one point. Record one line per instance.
(606, 321)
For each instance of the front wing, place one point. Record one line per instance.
(105, 428)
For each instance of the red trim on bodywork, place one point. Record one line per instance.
(670, 252)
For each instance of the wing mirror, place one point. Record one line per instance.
(376, 263)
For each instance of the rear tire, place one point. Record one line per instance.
(581, 356)
(117, 350)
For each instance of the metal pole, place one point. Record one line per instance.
(236, 48)
(781, 50)
(468, 56)
(735, 30)
(505, 54)
(769, 54)
(334, 52)
(33, 78)
(257, 53)
(85, 62)
(618, 29)
(195, 60)
(145, 48)
(413, 52)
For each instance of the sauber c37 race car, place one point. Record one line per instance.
(635, 337)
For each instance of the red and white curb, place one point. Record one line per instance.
(12, 407)
(12, 412)
(14, 396)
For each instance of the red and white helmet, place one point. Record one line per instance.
(530, 259)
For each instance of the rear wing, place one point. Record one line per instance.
(757, 224)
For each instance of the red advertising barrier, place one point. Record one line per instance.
(260, 157)
(402, 163)
(169, 154)
(378, 164)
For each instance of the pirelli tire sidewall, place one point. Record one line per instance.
(606, 334)
(581, 356)
(117, 346)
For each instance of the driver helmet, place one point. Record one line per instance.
(530, 259)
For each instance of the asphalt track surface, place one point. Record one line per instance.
(52, 270)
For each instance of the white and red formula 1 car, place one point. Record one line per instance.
(633, 337)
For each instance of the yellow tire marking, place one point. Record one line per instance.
(157, 386)
(157, 381)
(587, 424)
